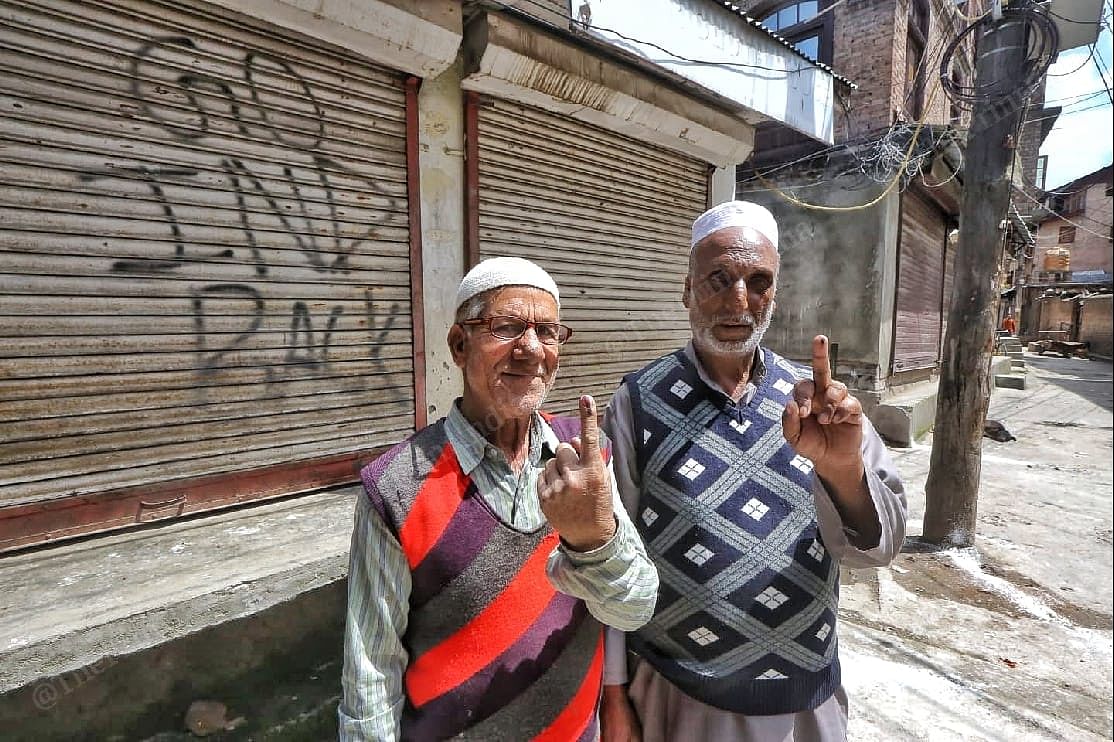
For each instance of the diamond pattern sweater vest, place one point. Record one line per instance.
(746, 613)
(495, 652)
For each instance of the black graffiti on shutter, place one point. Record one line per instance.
(209, 100)
(190, 83)
(303, 348)
(154, 178)
(211, 357)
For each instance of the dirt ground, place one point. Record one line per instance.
(1012, 639)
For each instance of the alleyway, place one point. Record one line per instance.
(1012, 640)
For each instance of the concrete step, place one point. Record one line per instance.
(908, 413)
(1017, 364)
(1010, 381)
(1015, 354)
(243, 606)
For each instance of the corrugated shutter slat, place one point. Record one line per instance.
(204, 248)
(919, 284)
(609, 217)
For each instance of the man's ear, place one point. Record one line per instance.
(688, 289)
(458, 340)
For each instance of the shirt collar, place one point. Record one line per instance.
(757, 370)
(470, 446)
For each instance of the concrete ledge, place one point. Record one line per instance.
(910, 412)
(513, 60)
(1009, 381)
(421, 37)
(81, 615)
(906, 414)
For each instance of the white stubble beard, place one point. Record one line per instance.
(704, 337)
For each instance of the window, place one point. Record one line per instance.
(1066, 204)
(790, 15)
(1067, 234)
(1042, 171)
(914, 80)
(801, 24)
(1074, 203)
(916, 41)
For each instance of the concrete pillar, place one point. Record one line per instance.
(441, 158)
(723, 185)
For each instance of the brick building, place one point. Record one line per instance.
(1067, 277)
(878, 279)
(1076, 219)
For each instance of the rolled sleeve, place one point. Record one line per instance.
(887, 493)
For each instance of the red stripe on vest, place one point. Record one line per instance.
(486, 636)
(571, 723)
(434, 507)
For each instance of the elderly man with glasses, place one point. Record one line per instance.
(491, 547)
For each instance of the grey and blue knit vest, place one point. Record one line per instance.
(746, 612)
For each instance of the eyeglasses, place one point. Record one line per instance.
(512, 328)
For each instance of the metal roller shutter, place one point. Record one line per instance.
(919, 284)
(204, 260)
(609, 217)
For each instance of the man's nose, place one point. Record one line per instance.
(736, 294)
(528, 342)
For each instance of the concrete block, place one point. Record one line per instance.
(123, 631)
(1000, 364)
(907, 415)
(1009, 381)
(894, 424)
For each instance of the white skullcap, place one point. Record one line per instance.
(735, 214)
(496, 272)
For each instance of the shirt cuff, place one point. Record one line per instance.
(595, 556)
(843, 547)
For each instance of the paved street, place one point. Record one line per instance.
(1010, 640)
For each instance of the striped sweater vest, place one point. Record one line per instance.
(746, 612)
(495, 653)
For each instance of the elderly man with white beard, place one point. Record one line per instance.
(490, 548)
(751, 481)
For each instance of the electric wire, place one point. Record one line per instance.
(1042, 50)
(1038, 202)
(1097, 59)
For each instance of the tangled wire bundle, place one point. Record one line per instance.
(1043, 40)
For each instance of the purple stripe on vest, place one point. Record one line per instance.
(462, 540)
(591, 732)
(371, 473)
(505, 678)
(567, 428)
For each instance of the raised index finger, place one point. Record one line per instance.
(589, 429)
(821, 366)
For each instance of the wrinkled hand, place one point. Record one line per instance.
(575, 488)
(618, 719)
(822, 421)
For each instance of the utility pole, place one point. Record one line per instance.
(964, 389)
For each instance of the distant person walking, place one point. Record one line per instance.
(1009, 324)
